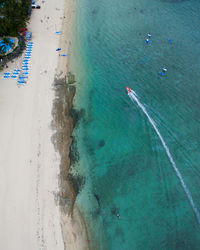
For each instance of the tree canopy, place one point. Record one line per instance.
(13, 15)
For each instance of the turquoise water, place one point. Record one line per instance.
(122, 161)
(6, 46)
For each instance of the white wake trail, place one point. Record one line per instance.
(135, 99)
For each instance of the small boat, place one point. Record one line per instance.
(128, 89)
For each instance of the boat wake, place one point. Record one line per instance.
(134, 98)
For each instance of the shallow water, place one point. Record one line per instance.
(123, 163)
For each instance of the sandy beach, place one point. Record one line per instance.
(31, 217)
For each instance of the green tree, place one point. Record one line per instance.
(13, 16)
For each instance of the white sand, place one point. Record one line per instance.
(29, 166)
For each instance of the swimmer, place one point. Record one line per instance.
(164, 69)
(149, 35)
(118, 216)
(147, 40)
(161, 73)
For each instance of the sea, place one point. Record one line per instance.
(137, 160)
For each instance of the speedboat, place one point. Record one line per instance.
(128, 89)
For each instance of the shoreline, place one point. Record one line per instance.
(62, 123)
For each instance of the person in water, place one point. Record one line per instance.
(149, 35)
(118, 216)
(147, 40)
(164, 69)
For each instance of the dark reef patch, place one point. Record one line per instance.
(95, 213)
(98, 199)
(114, 211)
(101, 143)
(77, 182)
(73, 152)
(62, 126)
(94, 12)
(76, 115)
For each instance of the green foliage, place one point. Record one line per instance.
(71, 78)
(13, 15)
